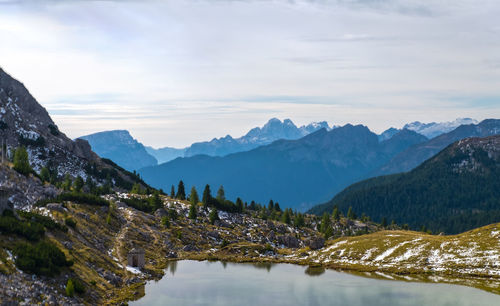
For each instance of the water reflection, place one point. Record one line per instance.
(172, 267)
(314, 271)
(224, 284)
(263, 265)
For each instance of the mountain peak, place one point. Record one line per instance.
(122, 148)
(433, 129)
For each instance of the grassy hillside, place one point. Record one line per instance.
(414, 256)
(457, 190)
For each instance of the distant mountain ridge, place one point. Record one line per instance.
(273, 130)
(415, 155)
(296, 173)
(122, 148)
(429, 130)
(433, 129)
(456, 190)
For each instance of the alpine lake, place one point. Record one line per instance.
(191, 283)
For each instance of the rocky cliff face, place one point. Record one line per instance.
(17, 190)
(24, 122)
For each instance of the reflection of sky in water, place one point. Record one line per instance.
(216, 283)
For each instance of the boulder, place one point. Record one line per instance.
(160, 213)
(271, 236)
(55, 206)
(121, 204)
(315, 243)
(213, 234)
(190, 248)
(289, 241)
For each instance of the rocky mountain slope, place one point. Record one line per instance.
(296, 173)
(24, 122)
(121, 148)
(454, 191)
(415, 155)
(99, 242)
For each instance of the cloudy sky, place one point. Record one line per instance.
(175, 72)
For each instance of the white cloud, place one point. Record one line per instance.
(178, 71)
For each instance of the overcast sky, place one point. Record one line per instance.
(175, 72)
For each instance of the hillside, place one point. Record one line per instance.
(417, 154)
(121, 148)
(454, 191)
(296, 173)
(470, 258)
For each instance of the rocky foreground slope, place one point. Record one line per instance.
(99, 243)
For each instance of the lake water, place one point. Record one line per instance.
(216, 283)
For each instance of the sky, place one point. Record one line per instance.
(176, 72)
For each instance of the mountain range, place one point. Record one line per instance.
(454, 191)
(273, 130)
(415, 155)
(297, 173)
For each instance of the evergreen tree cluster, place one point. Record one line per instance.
(433, 197)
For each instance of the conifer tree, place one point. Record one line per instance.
(214, 215)
(78, 184)
(21, 161)
(221, 196)
(192, 211)
(325, 223)
(270, 206)
(155, 201)
(277, 207)
(286, 217)
(384, 222)
(136, 189)
(206, 197)
(70, 288)
(350, 213)
(172, 192)
(45, 174)
(336, 213)
(239, 205)
(181, 193)
(298, 220)
(66, 185)
(193, 197)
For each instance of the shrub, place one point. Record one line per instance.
(70, 288)
(39, 142)
(77, 197)
(21, 161)
(47, 222)
(53, 130)
(165, 221)
(78, 286)
(11, 225)
(43, 258)
(70, 222)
